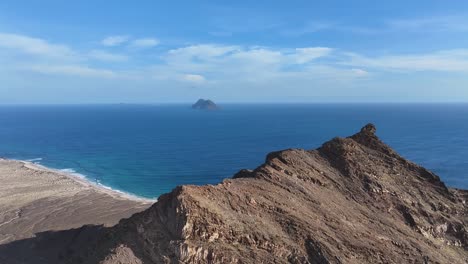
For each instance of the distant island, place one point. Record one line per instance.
(203, 104)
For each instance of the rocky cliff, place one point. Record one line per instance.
(353, 200)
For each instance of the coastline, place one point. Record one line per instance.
(85, 181)
(35, 199)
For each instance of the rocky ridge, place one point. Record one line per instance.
(353, 200)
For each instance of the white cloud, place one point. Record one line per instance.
(441, 61)
(145, 42)
(193, 78)
(72, 70)
(235, 63)
(34, 46)
(360, 72)
(209, 56)
(304, 55)
(222, 63)
(115, 40)
(257, 56)
(107, 56)
(38, 55)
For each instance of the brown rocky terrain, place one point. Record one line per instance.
(34, 199)
(353, 200)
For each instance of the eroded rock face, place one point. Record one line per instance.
(353, 200)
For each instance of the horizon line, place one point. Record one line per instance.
(236, 103)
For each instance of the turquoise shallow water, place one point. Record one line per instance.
(149, 149)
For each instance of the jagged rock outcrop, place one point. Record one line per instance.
(203, 104)
(353, 200)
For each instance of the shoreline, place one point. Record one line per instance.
(35, 198)
(83, 180)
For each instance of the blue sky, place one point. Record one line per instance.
(241, 51)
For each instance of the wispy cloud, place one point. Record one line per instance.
(144, 42)
(210, 53)
(205, 64)
(72, 70)
(304, 55)
(41, 56)
(314, 27)
(115, 40)
(439, 61)
(119, 40)
(431, 24)
(308, 28)
(107, 56)
(203, 51)
(34, 46)
(434, 23)
(235, 63)
(359, 72)
(193, 78)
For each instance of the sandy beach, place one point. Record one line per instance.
(34, 199)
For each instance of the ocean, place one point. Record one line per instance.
(147, 150)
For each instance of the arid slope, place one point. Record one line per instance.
(353, 200)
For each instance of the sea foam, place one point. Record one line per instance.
(97, 183)
(34, 160)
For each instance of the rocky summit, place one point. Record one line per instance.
(353, 200)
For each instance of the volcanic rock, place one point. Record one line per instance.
(353, 200)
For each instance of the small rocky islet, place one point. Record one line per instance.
(203, 104)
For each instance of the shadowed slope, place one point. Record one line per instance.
(353, 200)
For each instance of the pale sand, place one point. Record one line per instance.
(35, 199)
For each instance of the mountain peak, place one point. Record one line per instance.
(369, 129)
(353, 200)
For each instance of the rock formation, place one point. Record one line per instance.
(202, 104)
(353, 200)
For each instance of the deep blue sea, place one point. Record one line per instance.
(147, 150)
